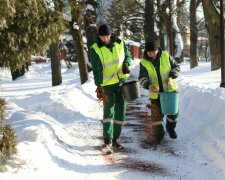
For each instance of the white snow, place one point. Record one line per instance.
(59, 127)
(90, 7)
(178, 39)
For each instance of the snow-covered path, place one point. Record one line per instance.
(58, 130)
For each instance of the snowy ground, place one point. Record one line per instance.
(59, 128)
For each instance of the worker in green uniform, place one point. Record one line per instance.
(110, 61)
(158, 73)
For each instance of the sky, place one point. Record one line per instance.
(59, 129)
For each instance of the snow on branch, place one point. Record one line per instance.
(75, 25)
(178, 38)
(89, 7)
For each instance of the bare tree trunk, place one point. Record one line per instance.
(213, 27)
(161, 24)
(222, 22)
(17, 72)
(179, 55)
(170, 29)
(149, 21)
(55, 53)
(77, 40)
(193, 36)
(90, 23)
(55, 64)
(178, 41)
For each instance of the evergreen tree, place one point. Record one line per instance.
(8, 139)
(25, 28)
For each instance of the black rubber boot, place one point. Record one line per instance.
(170, 126)
(107, 147)
(172, 134)
(117, 145)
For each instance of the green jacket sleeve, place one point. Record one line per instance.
(96, 67)
(144, 77)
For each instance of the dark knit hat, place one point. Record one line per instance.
(104, 30)
(151, 46)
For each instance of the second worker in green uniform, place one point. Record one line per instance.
(158, 73)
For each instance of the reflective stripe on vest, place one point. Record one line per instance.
(165, 68)
(111, 121)
(112, 62)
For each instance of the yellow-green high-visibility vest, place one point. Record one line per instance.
(165, 68)
(112, 62)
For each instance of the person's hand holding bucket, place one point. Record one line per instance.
(153, 88)
(169, 82)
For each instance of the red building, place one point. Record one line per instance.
(135, 50)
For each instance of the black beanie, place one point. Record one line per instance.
(104, 30)
(151, 46)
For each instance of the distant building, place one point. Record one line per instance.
(202, 44)
(135, 49)
(186, 40)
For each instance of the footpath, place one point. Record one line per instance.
(139, 149)
(144, 158)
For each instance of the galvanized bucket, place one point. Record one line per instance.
(131, 90)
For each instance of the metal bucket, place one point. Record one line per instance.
(169, 102)
(131, 90)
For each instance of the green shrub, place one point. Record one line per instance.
(2, 112)
(8, 140)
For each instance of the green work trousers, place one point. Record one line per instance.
(114, 112)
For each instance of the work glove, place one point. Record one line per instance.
(153, 88)
(125, 68)
(101, 95)
(173, 74)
